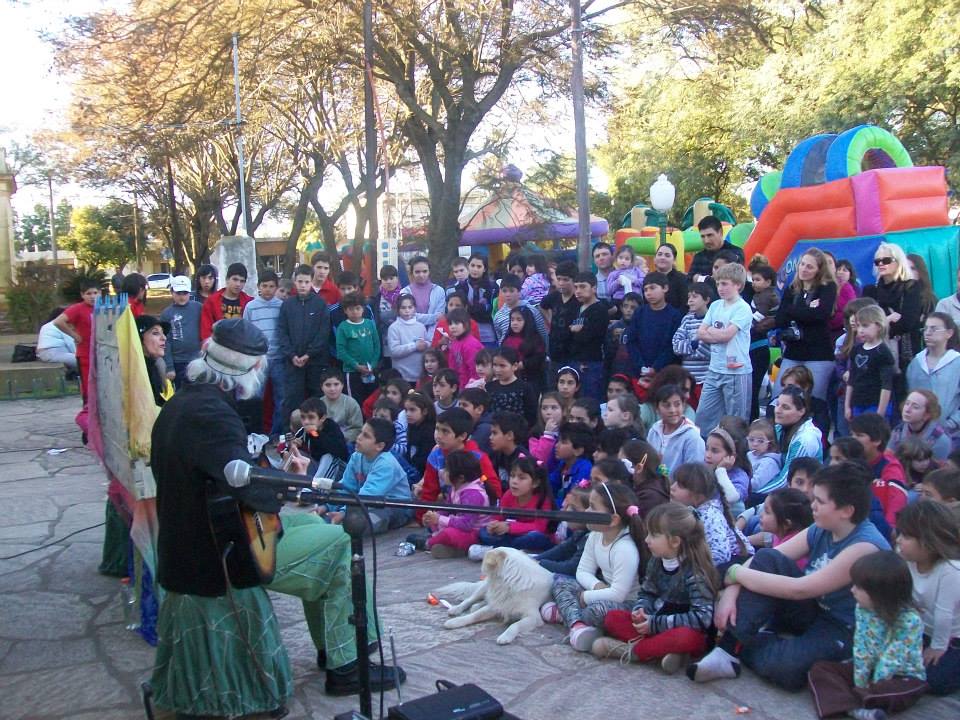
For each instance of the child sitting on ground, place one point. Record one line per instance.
(564, 557)
(446, 387)
(695, 484)
(508, 441)
(728, 459)
(341, 409)
(785, 512)
(374, 471)
(887, 671)
(453, 533)
(528, 490)
(673, 615)
(482, 370)
(453, 433)
(582, 602)
(928, 541)
(571, 458)
(943, 486)
(321, 435)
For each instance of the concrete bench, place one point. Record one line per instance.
(37, 379)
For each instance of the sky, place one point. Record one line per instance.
(37, 98)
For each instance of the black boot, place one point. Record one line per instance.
(346, 680)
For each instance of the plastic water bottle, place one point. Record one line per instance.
(130, 616)
(406, 549)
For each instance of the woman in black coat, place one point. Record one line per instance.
(901, 298)
(803, 321)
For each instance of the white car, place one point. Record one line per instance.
(158, 281)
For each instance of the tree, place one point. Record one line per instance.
(94, 241)
(734, 89)
(449, 64)
(34, 227)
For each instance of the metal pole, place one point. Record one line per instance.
(580, 139)
(239, 121)
(370, 136)
(53, 231)
(136, 233)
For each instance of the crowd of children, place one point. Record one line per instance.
(642, 394)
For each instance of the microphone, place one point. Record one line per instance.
(241, 474)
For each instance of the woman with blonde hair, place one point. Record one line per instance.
(803, 321)
(901, 298)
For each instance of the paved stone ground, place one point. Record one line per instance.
(64, 652)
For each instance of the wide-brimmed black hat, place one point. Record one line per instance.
(145, 322)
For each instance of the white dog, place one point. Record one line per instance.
(513, 591)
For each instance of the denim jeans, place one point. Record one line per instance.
(821, 370)
(591, 379)
(532, 541)
(944, 677)
(814, 634)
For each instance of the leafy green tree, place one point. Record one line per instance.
(34, 227)
(94, 241)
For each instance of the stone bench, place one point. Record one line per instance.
(37, 379)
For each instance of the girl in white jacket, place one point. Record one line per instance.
(407, 339)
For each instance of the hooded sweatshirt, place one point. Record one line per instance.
(402, 336)
(681, 446)
(944, 382)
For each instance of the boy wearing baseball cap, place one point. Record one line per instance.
(183, 340)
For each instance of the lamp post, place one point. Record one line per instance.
(662, 195)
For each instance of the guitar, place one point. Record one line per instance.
(252, 536)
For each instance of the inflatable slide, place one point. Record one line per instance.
(847, 193)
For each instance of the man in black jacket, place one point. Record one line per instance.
(303, 332)
(711, 232)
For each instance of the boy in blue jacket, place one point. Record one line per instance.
(374, 471)
(651, 331)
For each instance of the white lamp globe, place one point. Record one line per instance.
(662, 194)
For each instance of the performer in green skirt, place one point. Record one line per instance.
(219, 651)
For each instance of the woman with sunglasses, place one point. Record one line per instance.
(937, 369)
(901, 298)
(803, 317)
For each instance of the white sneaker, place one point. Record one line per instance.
(583, 637)
(476, 552)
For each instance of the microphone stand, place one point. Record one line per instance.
(355, 525)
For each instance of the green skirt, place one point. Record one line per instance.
(220, 657)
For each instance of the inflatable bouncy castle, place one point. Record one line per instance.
(847, 193)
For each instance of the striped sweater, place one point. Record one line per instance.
(694, 354)
(681, 598)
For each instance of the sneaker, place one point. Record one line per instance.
(346, 680)
(674, 662)
(444, 552)
(550, 612)
(476, 552)
(583, 637)
(608, 647)
(418, 540)
(867, 714)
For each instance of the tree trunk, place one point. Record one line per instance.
(307, 195)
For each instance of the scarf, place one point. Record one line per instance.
(393, 296)
(421, 295)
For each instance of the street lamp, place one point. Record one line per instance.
(662, 194)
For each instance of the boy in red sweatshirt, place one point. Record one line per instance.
(890, 480)
(228, 302)
(453, 433)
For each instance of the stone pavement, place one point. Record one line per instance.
(64, 652)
